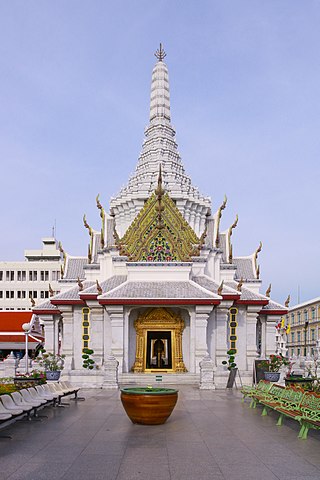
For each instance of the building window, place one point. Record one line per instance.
(292, 337)
(85, 328)
(1, 294)
(292, 318)
(44, 275)
(313, 333)
(10, 275)
(1, 275)
(305, 315)
(313, 313)
(298, 351)
(299, 336)
(55, 275)
(292, 352)
(299, 317)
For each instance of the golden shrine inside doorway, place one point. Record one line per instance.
(159, 342)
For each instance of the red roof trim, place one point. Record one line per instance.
(67, 302)
(43, 311)
(230, 297)
(87, 296)
(159, 301)
(273, 312)
(252, 302)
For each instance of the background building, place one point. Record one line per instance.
(32, 278)
(304, 321)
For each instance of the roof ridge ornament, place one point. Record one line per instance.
(219, 215)
(80, 284)
(287, 302)
(268, 291)
(160, 53)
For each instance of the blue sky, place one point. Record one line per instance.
(245, 87)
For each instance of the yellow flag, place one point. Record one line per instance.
(283, 322)
(288, 329)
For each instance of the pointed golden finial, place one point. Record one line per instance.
(102, 215)
(286, 303)
(51, 292)
(80, 284)
(61, 271)
(85, 223)
(33, 303)
(219, 214)
(235, 223)
(99, 289)
(89, 254)
(239, 287)
(220, 288)
(268, 291)
(160, 53)
(60, 248)
(258, 272)
(255, 255)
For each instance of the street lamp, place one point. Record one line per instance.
(26, 328)
(305, 337)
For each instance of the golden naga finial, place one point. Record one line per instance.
(60, 248)
(85, 223)
(235, 223)
(239, 287)
(102, 215)
(51, 292)
(286, 303)
(160, 53)
(255, 259)
(89, 254)
(219, 214)
(33, 303)
(268, 291)
(99, 289)
(159, 191)
(220, 288)
(80, 284)
(61, 271)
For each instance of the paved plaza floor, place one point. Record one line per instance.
(210, 435)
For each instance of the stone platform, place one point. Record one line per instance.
(211, 435)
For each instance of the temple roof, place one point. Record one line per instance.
(213, 286)
(245, 268)
(74, 268)
(160, 290)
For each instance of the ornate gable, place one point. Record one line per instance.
(159, 233)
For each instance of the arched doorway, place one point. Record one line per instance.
(159, 342)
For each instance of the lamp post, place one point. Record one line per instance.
(305, 337)
(26, 328)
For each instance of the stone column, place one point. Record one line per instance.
(251, 347)
(68, 334)
(117, 322)
(110, 365)
(206, 374)
(49, 332)
(222, 318)
(270, 339)
(96, 331)
(202, 313)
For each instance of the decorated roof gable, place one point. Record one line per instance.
(159, 233)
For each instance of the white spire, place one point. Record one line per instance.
(160, 147)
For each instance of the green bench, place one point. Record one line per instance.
(251, 391)
(310, 413)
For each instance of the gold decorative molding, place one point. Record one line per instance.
(159, 319)
(145, 241)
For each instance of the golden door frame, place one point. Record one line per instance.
(159, 319)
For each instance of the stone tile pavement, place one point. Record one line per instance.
(209, 436)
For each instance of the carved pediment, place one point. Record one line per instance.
(159, 233)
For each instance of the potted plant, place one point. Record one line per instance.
(52, 364)
(231, 360)
(148, 405)
(272, 367)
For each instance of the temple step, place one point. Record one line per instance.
(159, 379)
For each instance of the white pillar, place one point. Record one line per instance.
(201, 322)
(251, 350)
(117, 323)
(270, 340)
(96, 331)
(67, 347)
(222, 318)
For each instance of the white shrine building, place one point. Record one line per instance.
(161, 289)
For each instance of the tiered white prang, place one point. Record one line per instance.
(160, 147)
